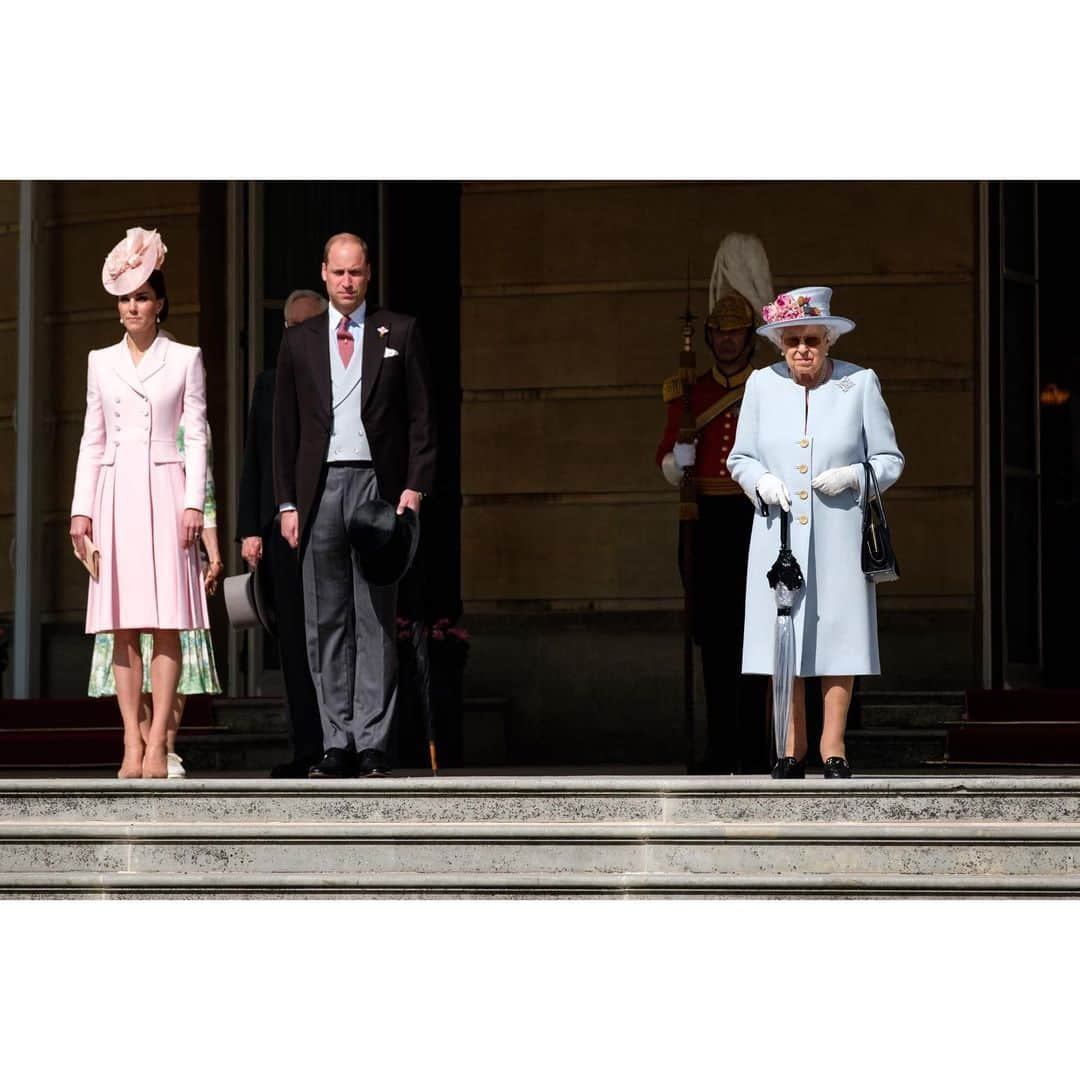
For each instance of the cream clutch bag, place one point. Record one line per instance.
(93, 556)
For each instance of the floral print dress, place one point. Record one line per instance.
(198, 673)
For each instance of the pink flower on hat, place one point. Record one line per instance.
(788, 306)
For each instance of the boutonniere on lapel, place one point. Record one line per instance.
(383, 331)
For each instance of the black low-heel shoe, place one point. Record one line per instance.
(337, 764)
(787, 768)
(837, 768)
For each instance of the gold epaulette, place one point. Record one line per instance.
(672, 389)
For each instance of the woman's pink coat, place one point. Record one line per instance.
(132, 484)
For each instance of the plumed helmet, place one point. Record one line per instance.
(740, 284)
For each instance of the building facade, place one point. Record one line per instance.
(552, 312)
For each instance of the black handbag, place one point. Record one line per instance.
(878, 558)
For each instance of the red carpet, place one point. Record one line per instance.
(79, 731)
(1024, 727)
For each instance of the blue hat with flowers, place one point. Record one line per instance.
(806, 306)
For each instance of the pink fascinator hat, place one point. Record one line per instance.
(132, 261)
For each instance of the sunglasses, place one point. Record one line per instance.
(812, 341)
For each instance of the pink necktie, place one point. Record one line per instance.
(344, 341)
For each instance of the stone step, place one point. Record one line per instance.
(894, 715)
(551, 849)
(225, 750)
(98, 886)
(486, 738)
(546, 799)
(542, 836)
(902, 730)
(869, 749)
(915, 697)
(262, 716)
(898, 710)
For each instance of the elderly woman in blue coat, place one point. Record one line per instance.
(806, 426)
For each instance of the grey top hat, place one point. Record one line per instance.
(247, 600)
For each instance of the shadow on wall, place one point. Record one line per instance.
(608, 688)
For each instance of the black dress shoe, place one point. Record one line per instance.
(787, 768)
(371, 763)
(296, 769)
(837, 768)
(337, 764)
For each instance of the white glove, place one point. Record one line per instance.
(773, 491)
(834, 481)
(685, 454)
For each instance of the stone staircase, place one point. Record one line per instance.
(514, 836)
(902, 730)
(218, 735)
(934, 730)
(251, 734)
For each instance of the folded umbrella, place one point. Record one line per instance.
(785, 579)
(418, 641)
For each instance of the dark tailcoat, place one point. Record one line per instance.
(396, 408)
(256, 510)
(256, 516)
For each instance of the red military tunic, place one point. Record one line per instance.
(715, 400)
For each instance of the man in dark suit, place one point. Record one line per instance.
(260, 536)
(353, 423)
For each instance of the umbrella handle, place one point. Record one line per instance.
(785, 544)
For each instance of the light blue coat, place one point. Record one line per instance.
(796, 434)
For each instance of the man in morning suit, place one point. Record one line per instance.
(353, 423)
(259, 534)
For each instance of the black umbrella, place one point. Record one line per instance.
(415, 633)
(785, 579)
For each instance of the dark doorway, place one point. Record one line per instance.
(297, 219)
(422, 242)
(1059, 425)
(1016, 602)
(1034, 432)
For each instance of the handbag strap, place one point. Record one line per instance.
(871, 482)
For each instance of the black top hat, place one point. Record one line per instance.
(385, 540)
(248, 600)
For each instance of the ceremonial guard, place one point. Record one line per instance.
(740, 286)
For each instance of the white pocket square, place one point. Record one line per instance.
(390, 352)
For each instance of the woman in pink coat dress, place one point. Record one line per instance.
(135, 497)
